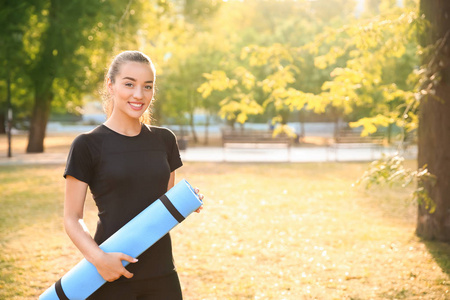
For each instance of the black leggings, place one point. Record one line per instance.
(161, 288)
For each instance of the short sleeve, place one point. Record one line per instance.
(173, 152)
(79, 161)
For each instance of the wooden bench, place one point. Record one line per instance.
(182, 138)
(255, 139)
(348, 138)
(252, 138)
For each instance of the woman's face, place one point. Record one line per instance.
(132, 90)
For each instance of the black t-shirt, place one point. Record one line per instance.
(125, 175)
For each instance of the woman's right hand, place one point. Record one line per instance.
(109, 265)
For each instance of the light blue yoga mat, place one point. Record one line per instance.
(133, 238)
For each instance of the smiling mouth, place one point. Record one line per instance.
(136, 105)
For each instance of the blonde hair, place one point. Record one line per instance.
(114, 69)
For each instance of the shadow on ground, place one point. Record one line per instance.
(441, 254)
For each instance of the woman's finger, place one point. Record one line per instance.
(128, 258)
(127, 274)
(200, 196)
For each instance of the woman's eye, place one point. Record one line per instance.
(128, 84)
(148, 87)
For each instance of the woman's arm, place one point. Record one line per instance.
(171, 180)
(109, 265)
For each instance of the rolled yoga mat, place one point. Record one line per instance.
(133, 238)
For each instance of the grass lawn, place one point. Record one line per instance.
(268, 231)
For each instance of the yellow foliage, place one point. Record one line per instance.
(272, 55)
(284, 129)
(216, 81)
(279, 79)
(372, 123)
(239, 108)
(247, 78)
(330, 58)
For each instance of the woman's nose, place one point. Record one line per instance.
(138, 94)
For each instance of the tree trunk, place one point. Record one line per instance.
(43, 75)
(434, 126)
(2, 122)
(208, 117)
(301, 120)
(191, 107)
(192, 125)
(389, 133)
(434, 142)
(38, 125)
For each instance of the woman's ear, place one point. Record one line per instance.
(109, 85)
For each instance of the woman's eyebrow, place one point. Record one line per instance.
(132, 79)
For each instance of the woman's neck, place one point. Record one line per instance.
(124, 127)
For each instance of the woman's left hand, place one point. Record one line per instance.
(200, 196)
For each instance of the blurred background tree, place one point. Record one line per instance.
(60, 50)
(14, 83)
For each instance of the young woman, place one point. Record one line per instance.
(127, 165)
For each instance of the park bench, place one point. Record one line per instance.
(348, 138)
(182, 138)
(255, 139)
